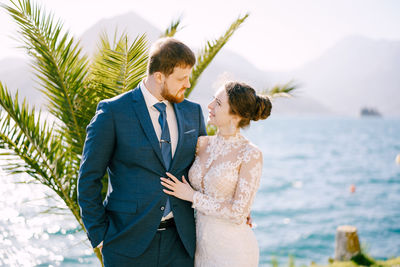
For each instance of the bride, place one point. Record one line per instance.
(224, 179)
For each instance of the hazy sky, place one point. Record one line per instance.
(278, 35)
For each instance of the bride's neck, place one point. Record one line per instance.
(227, 132)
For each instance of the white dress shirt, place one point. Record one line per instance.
(150, 101)
(154, 114)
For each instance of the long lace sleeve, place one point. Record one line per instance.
(238, 208)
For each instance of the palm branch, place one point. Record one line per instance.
(119, 67)
(210, 50)
(33, 146)
(285, 90)
(59, 66)
(172, 29)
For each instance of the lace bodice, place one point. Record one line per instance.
(226, 175)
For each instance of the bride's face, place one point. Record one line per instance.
(218, 110)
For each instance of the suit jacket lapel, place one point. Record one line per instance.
(180, 122)
(144, 117)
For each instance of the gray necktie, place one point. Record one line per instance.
(165, 142)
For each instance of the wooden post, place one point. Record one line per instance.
(347, 243)
(398, 159)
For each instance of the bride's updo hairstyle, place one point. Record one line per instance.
(244, 102)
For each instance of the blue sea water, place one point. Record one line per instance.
(309, 166)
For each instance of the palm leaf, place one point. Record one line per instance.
(285, 90)
(58, 65)
(119, 67)
(30, 145)
(172, 29)
(207, 54)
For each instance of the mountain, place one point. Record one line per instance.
(357, 72)
(16, 73)
(228, 65)
(129, 23)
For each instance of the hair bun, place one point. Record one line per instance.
(244, 102)
(262, 108)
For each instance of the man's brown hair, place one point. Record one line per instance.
(168, 53)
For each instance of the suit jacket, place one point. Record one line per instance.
(121, 140)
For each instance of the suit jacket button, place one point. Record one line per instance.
(162, 208)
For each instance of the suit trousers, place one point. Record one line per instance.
(165, 250)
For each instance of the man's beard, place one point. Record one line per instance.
(170, 97)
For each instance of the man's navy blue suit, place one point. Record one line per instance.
(121, 140)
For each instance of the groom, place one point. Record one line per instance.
(137, 137)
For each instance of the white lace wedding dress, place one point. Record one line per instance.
(226, 174)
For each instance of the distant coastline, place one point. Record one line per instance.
(365, 112)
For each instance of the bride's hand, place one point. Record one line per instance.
(178, 189)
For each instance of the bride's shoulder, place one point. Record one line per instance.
(252, 150)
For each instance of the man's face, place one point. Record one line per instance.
(174, 86)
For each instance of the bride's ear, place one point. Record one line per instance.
(235, 120)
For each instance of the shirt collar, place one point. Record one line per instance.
(150, 99)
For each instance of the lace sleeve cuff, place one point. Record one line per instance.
(196, 197)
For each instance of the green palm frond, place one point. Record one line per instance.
(207, 54)
(59, 66)
(119, 67)
(172, 29)
(285, 90)
(31, 145)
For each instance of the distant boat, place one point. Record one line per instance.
(370, 112)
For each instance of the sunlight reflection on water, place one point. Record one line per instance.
(31, 236)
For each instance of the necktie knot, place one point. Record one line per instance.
(160, 106)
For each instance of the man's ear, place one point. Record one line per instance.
(159, 77)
